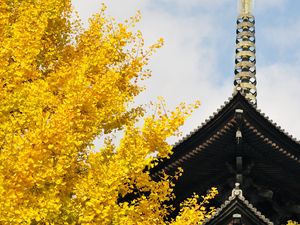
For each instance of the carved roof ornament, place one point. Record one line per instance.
(237, 195)
(237, 192)
(245, 59)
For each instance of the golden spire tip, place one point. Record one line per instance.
(245, 6)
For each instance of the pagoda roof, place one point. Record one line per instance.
(212, 130)
(237, 206)
(271, 157)
(233, 100)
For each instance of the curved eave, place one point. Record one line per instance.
(218, 125)
(238, 205)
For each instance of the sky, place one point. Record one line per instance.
(197, 60)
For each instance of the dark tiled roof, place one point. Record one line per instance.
(237, 194)
(221, 108)
(204, 123)
(177, 160)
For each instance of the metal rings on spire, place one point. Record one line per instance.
(245, 59)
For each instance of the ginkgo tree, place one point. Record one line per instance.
(61, 87)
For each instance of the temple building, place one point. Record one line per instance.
(253, 162)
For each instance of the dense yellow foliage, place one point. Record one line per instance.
(290, 222)
(61, 86)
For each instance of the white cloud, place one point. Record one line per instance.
(284, 36)
(204, 4)
(279, 95)
(185, 68)
(120, 9)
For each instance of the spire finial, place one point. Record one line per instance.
(246, 7)
(245, 59)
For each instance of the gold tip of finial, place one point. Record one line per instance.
(246, 6)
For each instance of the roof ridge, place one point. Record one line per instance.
(237, 193)
(210, 118)
(206, 121)
(279, 128)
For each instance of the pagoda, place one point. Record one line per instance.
(253, 162)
